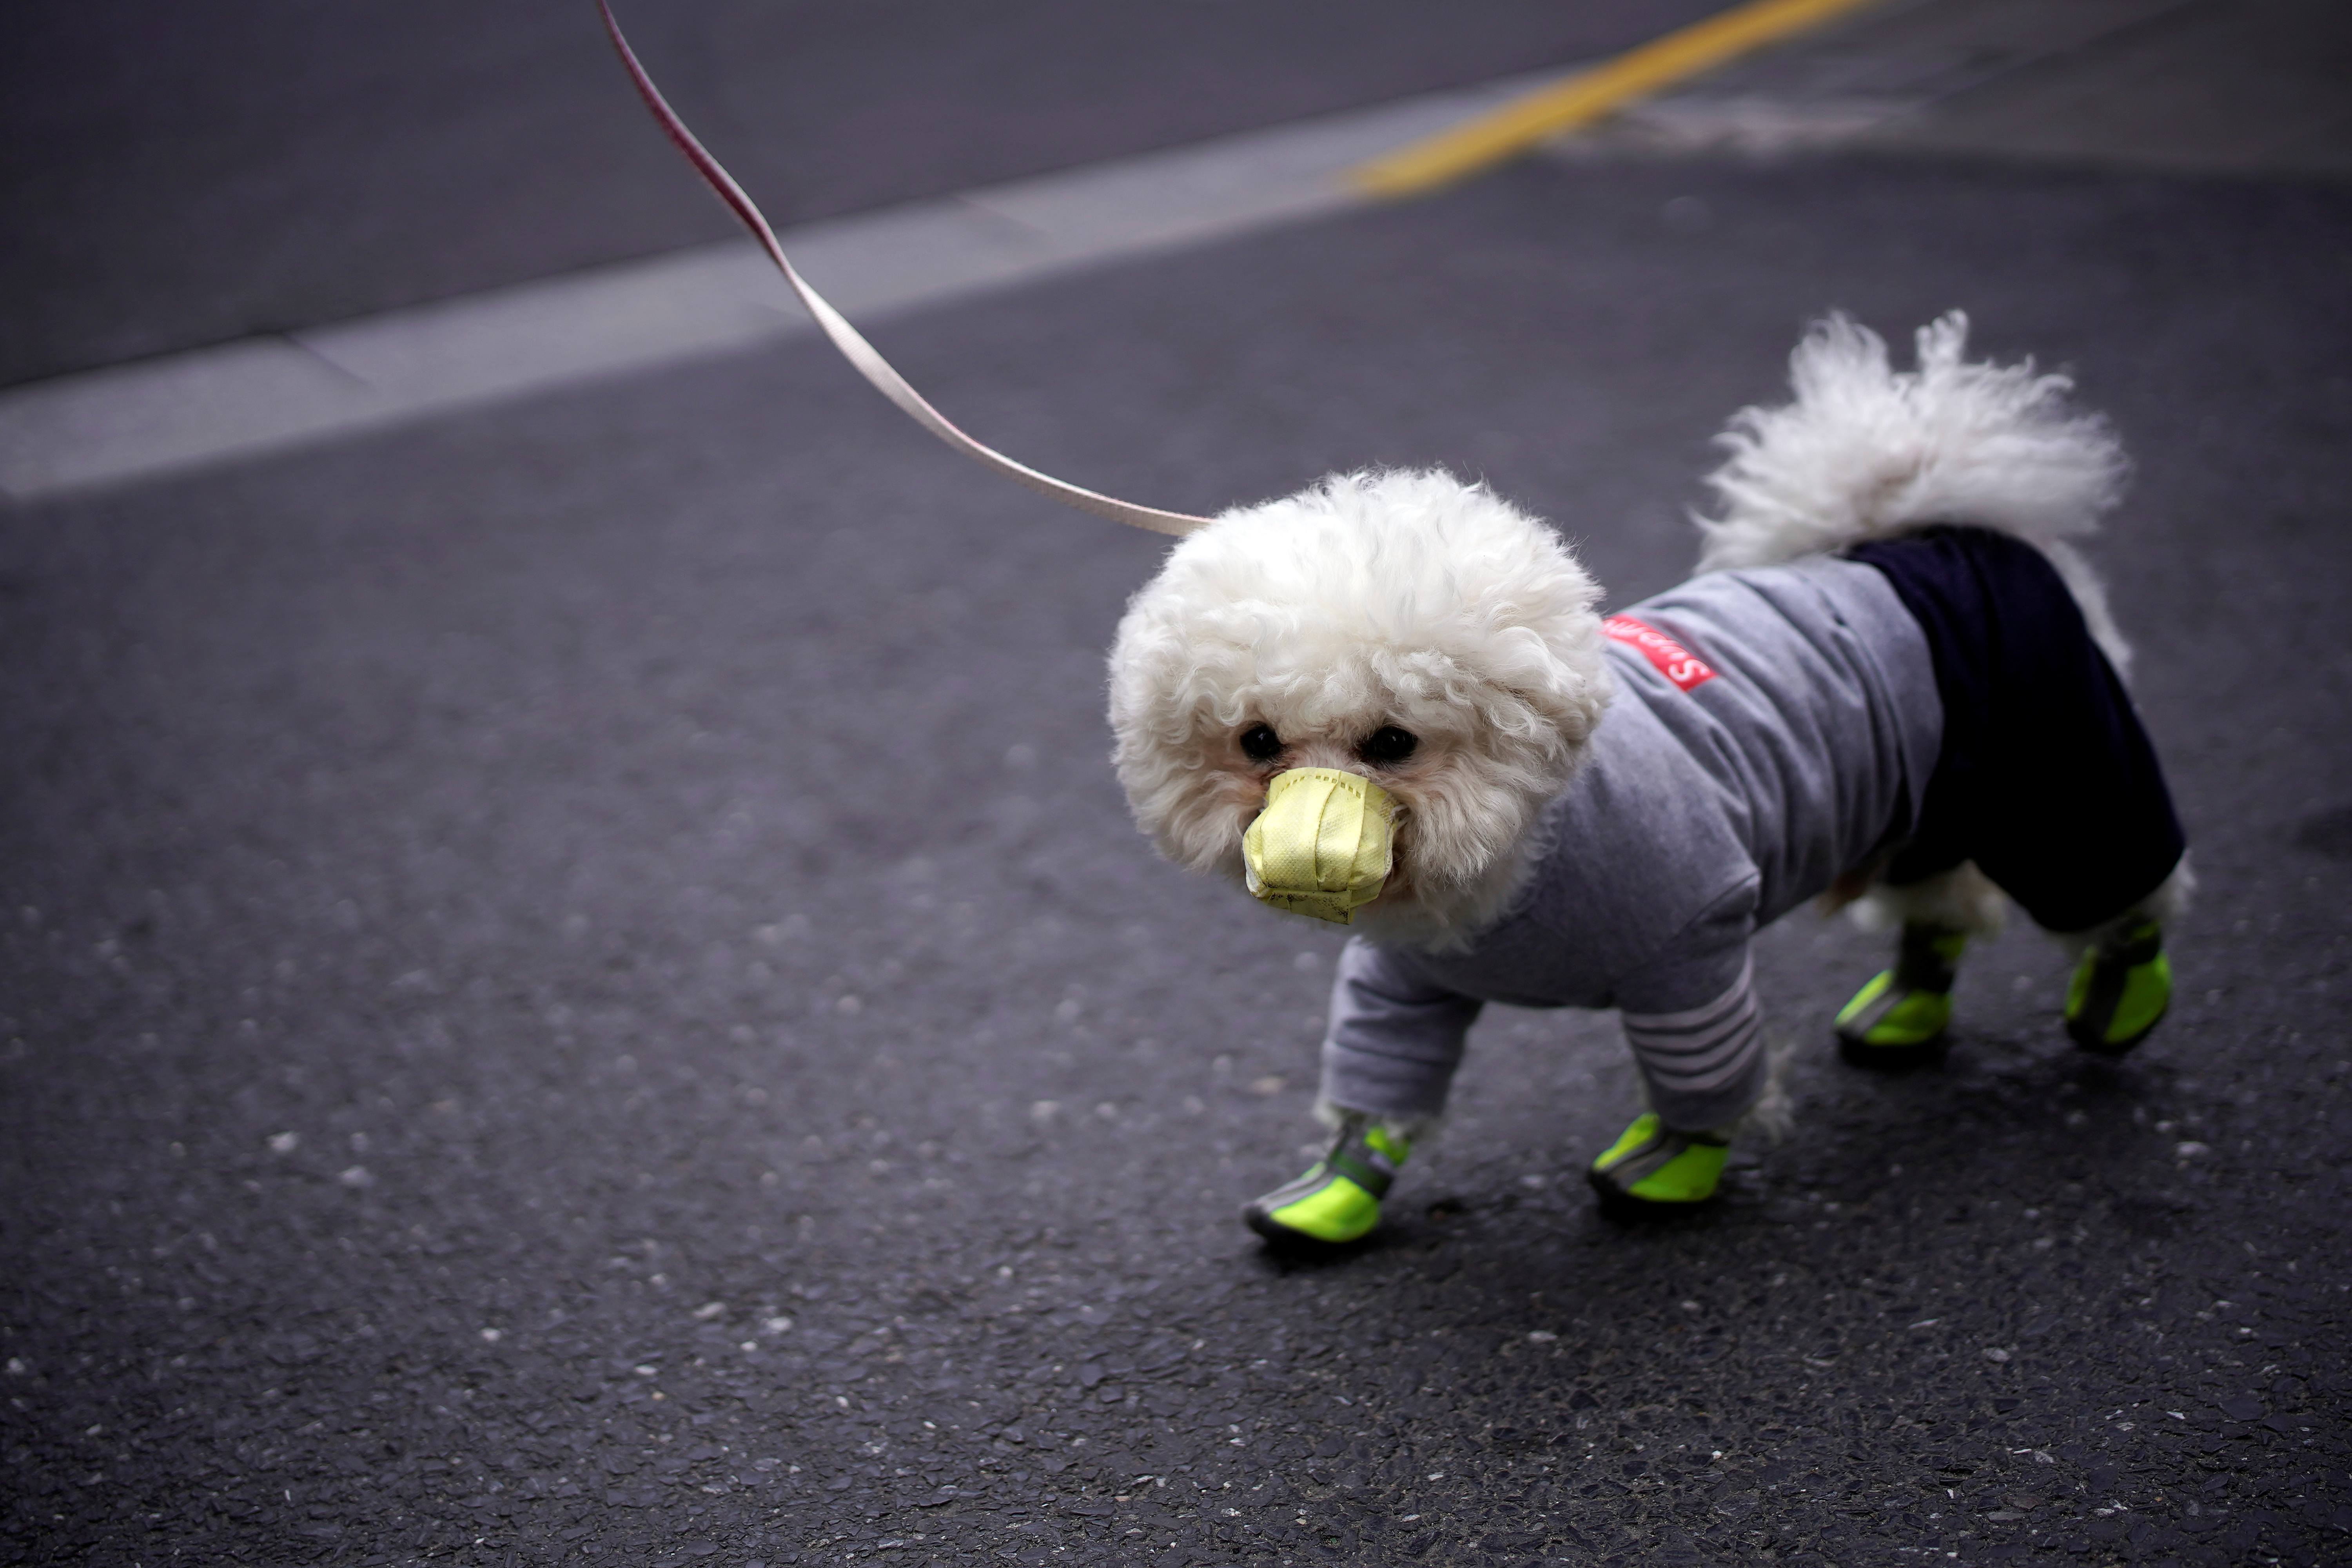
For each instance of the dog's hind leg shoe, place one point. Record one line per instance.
(1654, 1168)
(1338, 1199)
(2120, 991)
(1899, 1019)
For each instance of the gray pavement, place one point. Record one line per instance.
(2213, 86)
(2240, 87)
(187, 410)
(180, 176)
(576, 986)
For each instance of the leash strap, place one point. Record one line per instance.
(853, 344)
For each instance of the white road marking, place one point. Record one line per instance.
(185, 411)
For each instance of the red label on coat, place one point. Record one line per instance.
(1676, 662)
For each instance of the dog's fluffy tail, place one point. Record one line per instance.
(1866, 452)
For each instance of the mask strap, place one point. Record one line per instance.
(854, 347)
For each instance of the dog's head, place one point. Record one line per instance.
(1358, 698)
(1406, 629)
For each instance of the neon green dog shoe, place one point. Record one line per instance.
(1653, 1167)
(1338, 1199)
(1899, 1019)
(2120, 991)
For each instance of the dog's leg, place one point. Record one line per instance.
(2122, 984)
(1962, 899)
(1707, 1077)
(1654, 1169)
(1337, 1200)
(1899, 1017)
(1774, 1115)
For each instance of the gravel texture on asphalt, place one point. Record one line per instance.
(578, 988)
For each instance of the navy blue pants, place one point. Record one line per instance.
(2046, 779)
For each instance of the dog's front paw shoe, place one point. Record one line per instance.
(1653, 1168)
(1888, 1024)
(1338, 1199)
(1899, 1019)
(2120, 992)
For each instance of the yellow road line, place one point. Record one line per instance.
(1588, 95)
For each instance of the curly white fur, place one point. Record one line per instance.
(1412, 599)
(1963, 899)
(1866, 452)
(2165, 906)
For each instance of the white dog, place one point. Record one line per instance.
(1391, 701)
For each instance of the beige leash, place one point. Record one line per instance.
(854, 347)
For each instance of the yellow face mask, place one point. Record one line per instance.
(1321, 846)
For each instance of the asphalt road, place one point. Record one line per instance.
(578, 987)
(575, 986)
(174, 176)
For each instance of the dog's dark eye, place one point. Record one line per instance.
(1260, 743)
(1389, 745)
